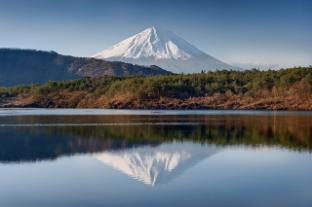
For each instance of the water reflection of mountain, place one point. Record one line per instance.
(160, 164)
(32, 143)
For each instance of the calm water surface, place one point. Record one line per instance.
(137, 158)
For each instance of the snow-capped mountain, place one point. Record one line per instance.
(155, 46)
(160, 164)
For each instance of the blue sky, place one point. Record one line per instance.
(255, 31)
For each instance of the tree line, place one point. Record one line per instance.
(247, 83)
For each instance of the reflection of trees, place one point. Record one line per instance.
(31, 144)
(35, 143)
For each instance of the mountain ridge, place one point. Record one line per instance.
(26, 66)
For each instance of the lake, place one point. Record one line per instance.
(94, 157)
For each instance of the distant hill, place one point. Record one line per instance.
(19, 66)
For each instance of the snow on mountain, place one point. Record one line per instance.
(160, 164)
(155, 46)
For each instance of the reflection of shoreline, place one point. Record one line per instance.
(156, 165)
(35, 143)
(18, 145)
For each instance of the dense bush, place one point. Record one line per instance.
(250, 82)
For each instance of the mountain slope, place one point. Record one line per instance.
(155, 46)
(30, 66)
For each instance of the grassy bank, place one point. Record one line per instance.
(288, 89)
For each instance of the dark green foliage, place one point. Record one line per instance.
(248, 82)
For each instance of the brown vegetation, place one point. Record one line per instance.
(289, 89)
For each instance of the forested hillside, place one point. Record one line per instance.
(289, 89)
(31, 66)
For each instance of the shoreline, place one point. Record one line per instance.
(16, 112)
(80, 100)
